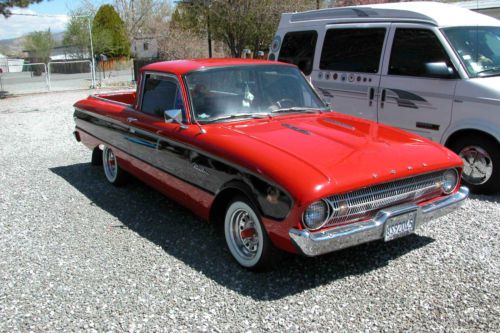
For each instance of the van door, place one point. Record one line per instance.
(347, 72)
(418, 81)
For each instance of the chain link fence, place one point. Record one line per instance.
(71, 75)
(29, 78)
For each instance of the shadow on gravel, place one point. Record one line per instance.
(199, 245)
(493, 198)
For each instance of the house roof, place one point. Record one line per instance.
(181, 67)
(478, 4)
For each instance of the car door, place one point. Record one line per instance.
(350, 64)
(168, 146)
(418, 81)
(149, 134)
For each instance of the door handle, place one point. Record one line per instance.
(131, 120)
(382, 99)
(372, 94)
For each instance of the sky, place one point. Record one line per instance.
(17, 25)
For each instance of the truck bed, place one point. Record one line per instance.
(122, 97)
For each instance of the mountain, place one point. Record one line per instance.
(14, 46)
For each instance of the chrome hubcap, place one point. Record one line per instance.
(478, 166)
(244, 234)
(110, 166)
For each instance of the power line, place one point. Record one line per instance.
(39, 15)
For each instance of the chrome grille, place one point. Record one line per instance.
(365, 203)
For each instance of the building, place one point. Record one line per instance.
(4, 63)
(145, 47)
(487, 7)
(68, 53)
(10, 65)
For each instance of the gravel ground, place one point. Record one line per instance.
(78, 254)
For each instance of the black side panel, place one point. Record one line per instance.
(185, 162)
(110, 132)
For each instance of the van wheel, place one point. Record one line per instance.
(246, 238)
(114, 174)
(481, 156)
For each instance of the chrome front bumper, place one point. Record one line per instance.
(316, 243)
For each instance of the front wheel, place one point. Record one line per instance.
(246, 238)
(481, 156)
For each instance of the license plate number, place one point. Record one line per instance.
(399, 226)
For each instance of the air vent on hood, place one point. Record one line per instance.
(303, 131)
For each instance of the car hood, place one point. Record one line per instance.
(335, 153)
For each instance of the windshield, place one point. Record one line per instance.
(478, 48)
(249, 91)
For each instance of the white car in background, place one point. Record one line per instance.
(429, 68)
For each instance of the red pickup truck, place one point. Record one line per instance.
(250, 145)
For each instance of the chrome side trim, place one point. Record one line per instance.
(316, 243)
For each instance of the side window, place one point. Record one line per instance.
(298, 49)
(353, 50)
(160, 93)
(418, 52)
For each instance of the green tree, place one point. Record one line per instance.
(77, 34)
(109, 33)
(39, 44)
(239, 24)
(6, 5)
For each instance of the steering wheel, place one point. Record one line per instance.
(283, 103)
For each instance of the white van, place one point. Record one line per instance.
(429, 68)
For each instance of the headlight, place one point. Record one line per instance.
(450, 181)
(315, 215)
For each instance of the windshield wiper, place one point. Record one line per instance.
(489, 72)
(299, 109)
(236, 115)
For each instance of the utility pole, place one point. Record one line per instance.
(92, 58)
(209, 34)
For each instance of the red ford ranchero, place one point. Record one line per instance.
(249, 145)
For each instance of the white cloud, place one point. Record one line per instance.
(19, 25)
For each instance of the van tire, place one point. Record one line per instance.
(481, 156)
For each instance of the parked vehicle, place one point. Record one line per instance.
(429, 68)
(251, 146)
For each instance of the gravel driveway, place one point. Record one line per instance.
(78, 254)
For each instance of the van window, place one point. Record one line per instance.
(414, 51)
(298, 49)
(478, 48)
(160, 94)
(353, 50)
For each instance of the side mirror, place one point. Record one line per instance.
(174, 116)
(439, 70)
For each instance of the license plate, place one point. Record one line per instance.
(399, 226)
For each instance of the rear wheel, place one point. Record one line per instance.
(245, 236)
(114, 174)
(96, 157)
(481, 156)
